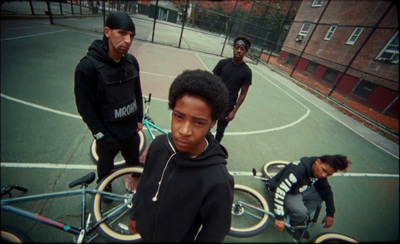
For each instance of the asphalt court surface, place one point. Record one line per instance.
(45, 144)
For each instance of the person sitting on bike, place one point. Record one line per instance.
(185, 193)
(301, 187)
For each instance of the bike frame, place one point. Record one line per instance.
(150, 125)
(288, 226)
(82, 231)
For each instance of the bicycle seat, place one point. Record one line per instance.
(87, 179)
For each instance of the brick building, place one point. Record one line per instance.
(350, 48)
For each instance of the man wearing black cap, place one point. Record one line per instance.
(108, 94)
(237, 76)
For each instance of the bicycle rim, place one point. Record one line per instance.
(119, 160)
(333, 238)
(247, 221)
(13, 235)
(271, 168)
(115, 228)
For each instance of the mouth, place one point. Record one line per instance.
(182, 143)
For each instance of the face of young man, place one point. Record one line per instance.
(322, 170)
(238, 53)
(191, 120)
(119, 42)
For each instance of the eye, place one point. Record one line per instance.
(177, 116)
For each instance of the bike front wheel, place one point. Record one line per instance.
(114, 210)
(248, 212)
(13, 235)
(333, 238)
(119, 160)
(271, 168)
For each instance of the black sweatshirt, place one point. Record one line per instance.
(297, 177)
(192, 192)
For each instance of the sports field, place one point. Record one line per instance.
(45, 144)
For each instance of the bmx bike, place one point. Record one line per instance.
(147, 123)
(109, 213)
(251, 214)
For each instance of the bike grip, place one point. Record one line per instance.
(20, 188)
(149, 97)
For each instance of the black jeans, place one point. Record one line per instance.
(130, 152)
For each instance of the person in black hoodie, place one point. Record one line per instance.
(108, 94)
(185, 193)
(300, 188)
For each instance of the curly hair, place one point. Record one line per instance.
(337, 162)
(201, 84)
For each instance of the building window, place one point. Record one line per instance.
(329, 75)
(317, 3)
(356, 33)
(391, 51)
(364, 89)
(305, 28)
(290, 59)
(330, 32)
(303, 32)
(311, 67)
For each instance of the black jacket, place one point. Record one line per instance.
(297, 177)
(192, 192)
(108, 94)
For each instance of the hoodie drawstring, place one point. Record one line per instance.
(154, 199)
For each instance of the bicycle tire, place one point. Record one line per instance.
(243, 224)
(13, 235)
(119, 160)
(271, 168)
(115, 229)
(332, 237)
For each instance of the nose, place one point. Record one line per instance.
(128, 39)
(185, 129)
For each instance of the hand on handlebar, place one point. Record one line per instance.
(279, 224)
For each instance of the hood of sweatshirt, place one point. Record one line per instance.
(98, 50)
(308, 162)
(214, 154)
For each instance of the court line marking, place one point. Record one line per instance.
(227, 133)
(323, 110)
(234, 173)
(22, 37)
(40, 107)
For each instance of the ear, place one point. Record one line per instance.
(213, 124)
(107, 32)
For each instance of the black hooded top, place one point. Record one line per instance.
(297, 177)
(192, 192)
(104, 88)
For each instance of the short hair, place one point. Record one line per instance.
(243, 38)
(337, 162)
(201, 84)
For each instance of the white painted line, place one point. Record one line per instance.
(46, 166)
(22, 37)
(93, 167)
(396, 156)
(40, 107)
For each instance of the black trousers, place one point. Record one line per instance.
(222, 124)
(130, 152)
